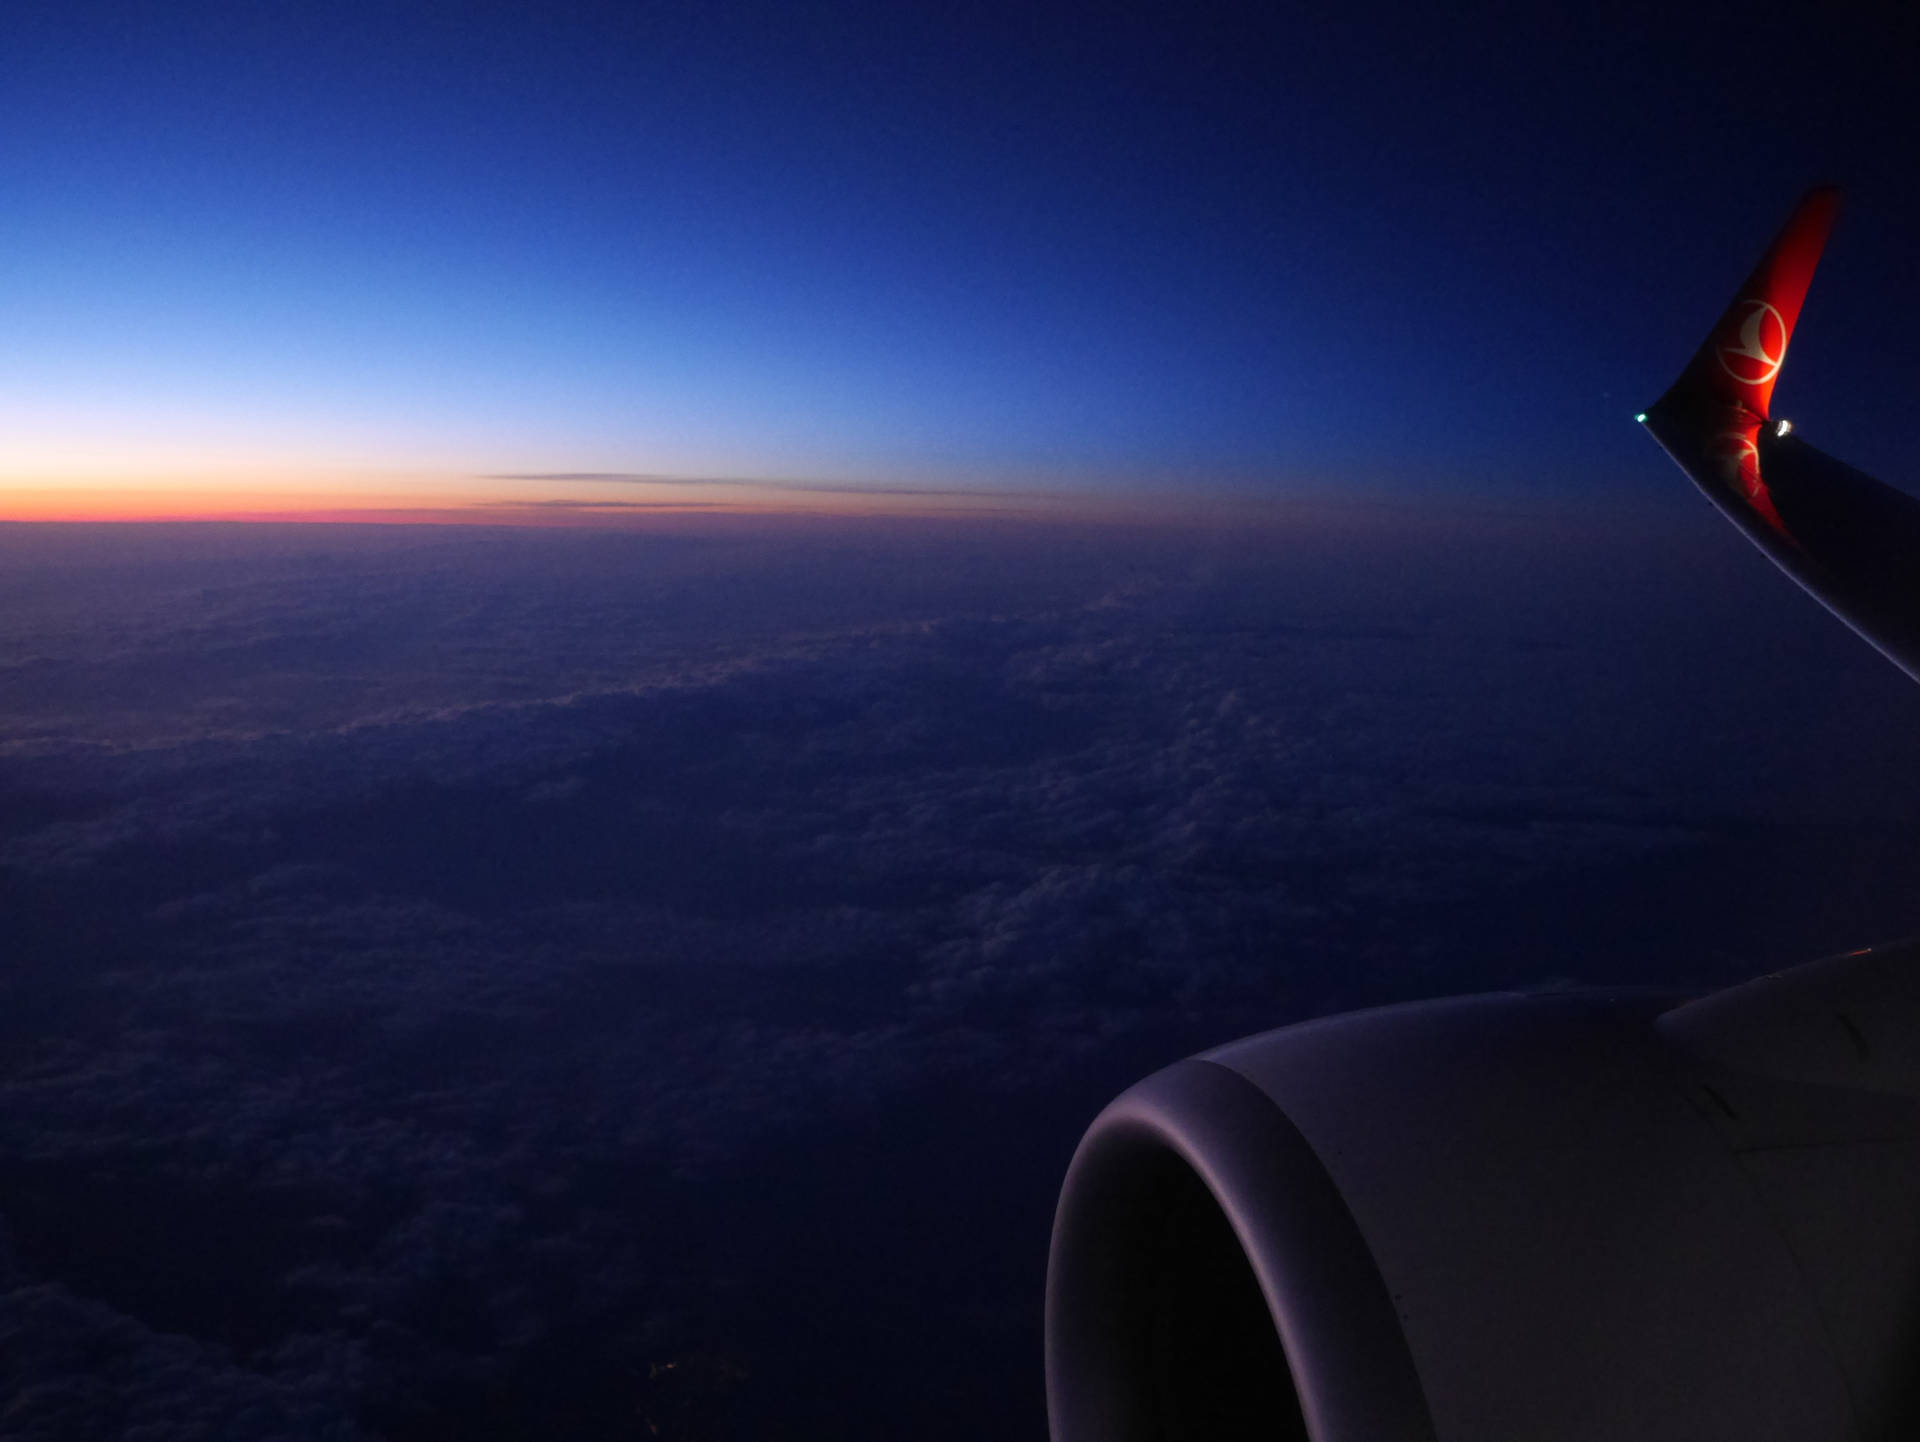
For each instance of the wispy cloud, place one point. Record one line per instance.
(836, 488)
(577, 504)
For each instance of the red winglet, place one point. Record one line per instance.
(1743, 353)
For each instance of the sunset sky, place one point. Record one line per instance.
(1003, 543)
(407, 258)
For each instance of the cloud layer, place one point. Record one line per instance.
(515, 980)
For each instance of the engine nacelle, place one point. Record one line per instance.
(1573, 1217)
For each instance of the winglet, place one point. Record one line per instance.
(1741, 358)
(1849, 539)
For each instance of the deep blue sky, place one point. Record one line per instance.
(991, 245)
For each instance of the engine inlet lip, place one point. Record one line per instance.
(1353, 1373)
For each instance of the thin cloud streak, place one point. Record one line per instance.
(848, 488)
(571, 504)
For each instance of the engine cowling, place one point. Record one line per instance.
(1556, 1216)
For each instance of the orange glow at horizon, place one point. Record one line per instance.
(479, 500)
(132, 505)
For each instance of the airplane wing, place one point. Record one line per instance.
(1583, 1216)
(1852, 541)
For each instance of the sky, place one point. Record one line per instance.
(440, 258)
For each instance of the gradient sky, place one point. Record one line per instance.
(355, 254)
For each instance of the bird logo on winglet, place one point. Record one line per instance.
(1754, 358)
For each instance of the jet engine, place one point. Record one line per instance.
(1559, 1216)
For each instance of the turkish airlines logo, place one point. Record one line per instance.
(1754, 356)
